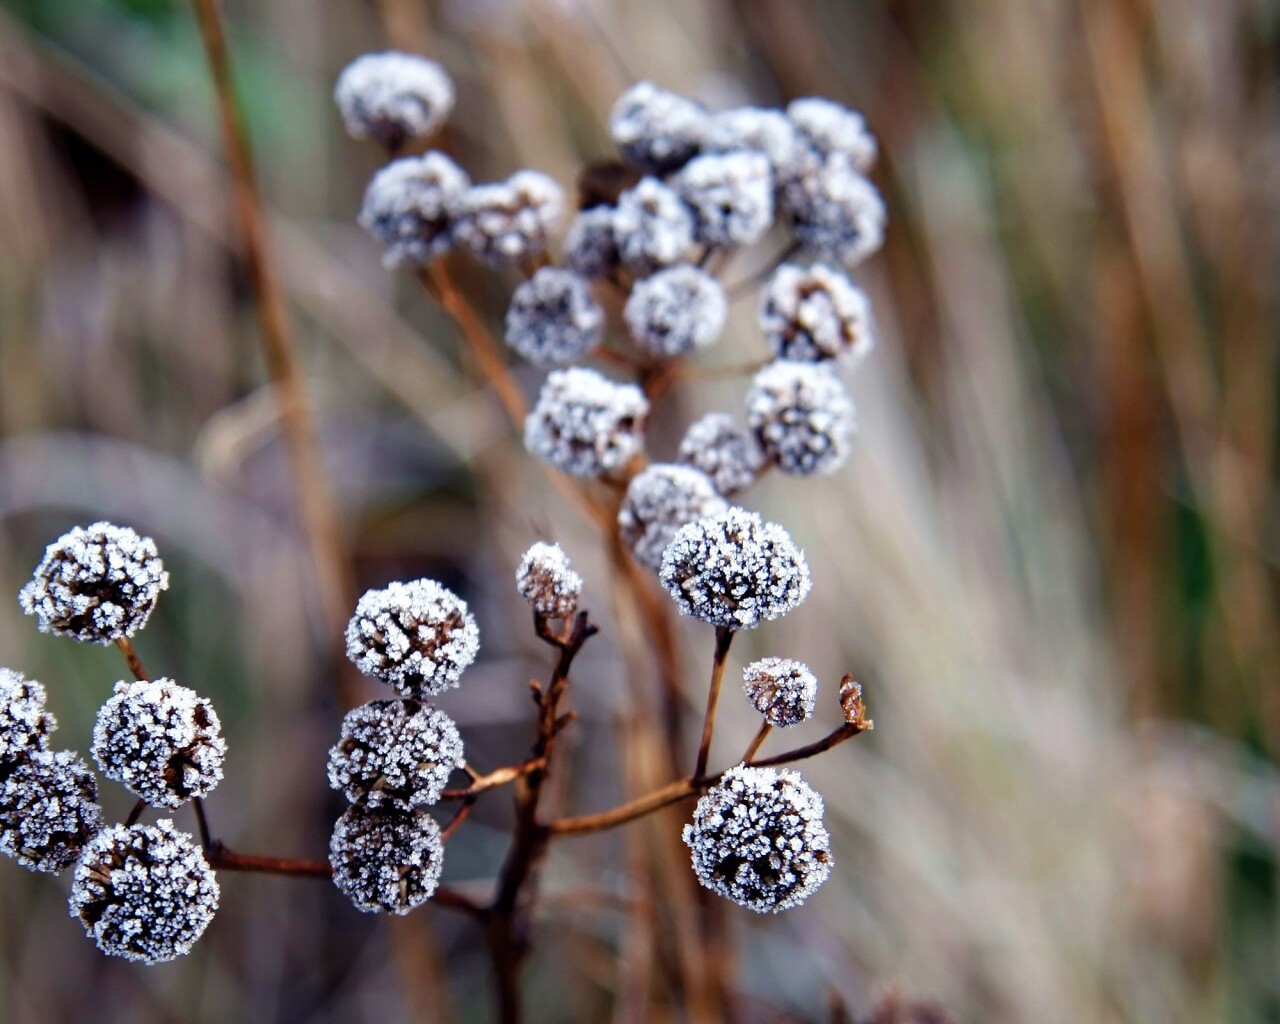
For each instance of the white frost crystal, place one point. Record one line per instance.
(826, 127)
(782, 690)
(411, 206)
(396, 754)
(584, 424)
(25, 725)
(656, 129)
(734, 570)
(393, 96)
(546, 581)
(161, 741)
(95, 584)
(725, 450)
(508, 221)
(769, 132)
(386, 861)
(835, 212)
(652, 225)
(810, 314)
(676, 310)
(757, 838)
(803, 416)
(659, 501)
(553, 319)
(731, 195)
(144, 892)
(48, 811)
(418, 637)
(591, 244)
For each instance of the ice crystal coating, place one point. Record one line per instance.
(411, 206)
(553, 319)
(676, 310)
(782, 690)
(386, 861)
(590, 244)
(734, 570)
(836, 213)
(826, 127)
(161, 741)
(659, 501)
(655, 129)
(726, 451)
(507, 221)
(810, 314)
(144, 892)
(584, 424)
(396, 754)
(546, 581)
(758, 839)
(803, 416)
(731, 195)
(95, 584)
(769, 132)
(393, 96)
(418, 637)
(652, 226)
(25, 725)
(49, 811)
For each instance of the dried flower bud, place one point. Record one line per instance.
(386, 861)
(393, 96)
(836, 213)
(731, 195)
(418, 637)
(725, 450)
(25, 725)
(852, 705)
(768, 132)
(545, 580)
(811, 314)
(161, 741)
(758, 839)
(95, 584)
(653, 226)
(395, 754)
(656, 129)
(553, 318)
(826, 127)
(144, 892)
(803, 416)
(676, 310)
(509, 221)
(48, 811)
(782, 690)
(584, 424)
(659, 501)
(734, 570)
(591, 245)
(411, 206)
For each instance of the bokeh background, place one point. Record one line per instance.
(1051, 559)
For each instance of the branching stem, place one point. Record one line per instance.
(724, 638)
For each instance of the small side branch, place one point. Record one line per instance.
(724, 638)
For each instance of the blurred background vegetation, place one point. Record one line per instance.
(1051, 561)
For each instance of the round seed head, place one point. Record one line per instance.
(757, 838)
(417, 637)
(659, 501)
(386, 861)
(553, 318)
(48, 811)
(768, 132)
(731, 195)
(590, 244)
(95, 584)
(811, 314)
(25, 725)
(836, 213)
(653, 227)
(411, 206)
(825, 127)
(676, 310)
(655, 129)
(392, 97)
(546, 581)
(508, 221)
(584, 424)
(396, 754)
(161, 741)
(782, 690)
(144, 892)
(726, 451)
(803, 416)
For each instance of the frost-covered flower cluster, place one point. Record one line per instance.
(585, 424)
(731, 196)
(657, 129)
(811, 314)
(652, 227)
(508, 221)
(660, 500)
(412, 205)
(395, 754)
(676, 310)
(393, 96)
(725, 450)
(386, 861)
(782, 690)
(802, 415)
(552, 319)
(545, 579)
(49, 811)
(25, 725)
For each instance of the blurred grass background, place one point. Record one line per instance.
(1051, 560)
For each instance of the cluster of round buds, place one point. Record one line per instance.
(509, 221)
(546, 581)
(757, 838)
(782, 690)
(659, 501)
(553, 319)
(386, 861)
(726, 451)
(25, 725)
(48, 811)
(731, 196)
(812, 314)
(412, 205)
(768, 132)
(652, 226)
(655, 129)
(395, 754)
(393, 96)
(835, 212)
(676, 310)
(590, 244)
(144, 892)
(824, 127)
(96, 584)
(803, 416)
(161, 741)
(584, 424)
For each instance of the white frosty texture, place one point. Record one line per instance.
(411, 206)
(725, 450)
(769, 132)
(835, 212)
(659, 501)
(396, 754)
(782, 690)
(95, 584)
(584, 424)
(825, 127)
(731, 196)
(161, 741)
(144, 892)
(652, 226)
(393, 96)
(48, 811)
(546, 581)
(676, 310)
(590, 244)
(25, 725)
(810, 314)
(386, 861)
(552, 319)
(734, 570)
(803, 416)
(418, 637)
(508, 221)
(656, 129)
(758, 839)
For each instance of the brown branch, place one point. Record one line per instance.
(131, 656)
(461, 815)
(757, 742)
(724, 638)
(491, 780)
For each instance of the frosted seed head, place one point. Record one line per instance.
(96, 584)
(396, 754)
(659, 501)
(48, 811)
(811, 314)
(584, 424)
(726, 451)
(835, 212)
(825, 127)
(509, 221)
(417, 637)
(144, 892)
(768, 132)
(590, 244)
(411, 205)
(734, 570)
(802, 415)
(546, 581)
(553, 319)
(25, 725)
(782, 690)
(757, 838)
(161, 741)
(676, 310)
(386, 861)
(731, 196)
(653, 226)
(393, 96)
(655, 129)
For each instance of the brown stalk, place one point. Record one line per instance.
(724, 638)
(757, 742)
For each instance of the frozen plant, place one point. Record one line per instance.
(815, 313)
(49, 811)
(824, 127)
(768, 132)
(585, 424)
(725, 450)
(509, 221)
(396, 754)
(545, 579)
(803, 416)
(782, 690)
(660, 500)
(591, 243)
(731, 196)
(656, 129)
(553, 319)
(393, 96)
(412, 205)
(835, 212)
(25, 725)
(676, 310)
(386, 861)
(653, 226)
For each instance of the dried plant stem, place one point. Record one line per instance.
(136, 813)
(491, 780)
(757, 742)
(724, 638)
(461, 815)
(131, 656)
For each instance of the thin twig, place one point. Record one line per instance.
(460, 815)
(136, 813)
(491, 780)
(202, 823)
(757, 742)
(724, 637)
(131, 656)
(759, 276)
